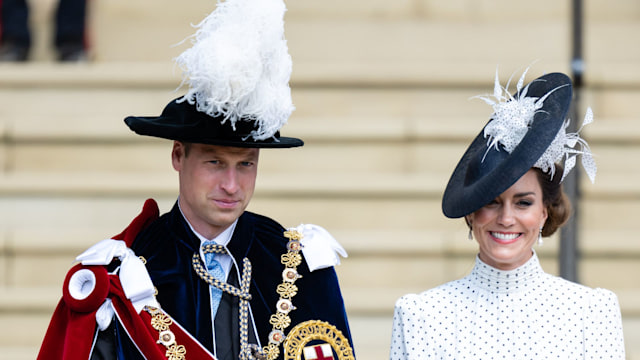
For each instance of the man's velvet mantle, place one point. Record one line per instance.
(168, 245)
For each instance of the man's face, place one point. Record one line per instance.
(216, 184)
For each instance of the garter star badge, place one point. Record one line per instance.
(317, 340)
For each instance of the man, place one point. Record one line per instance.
(226, 283)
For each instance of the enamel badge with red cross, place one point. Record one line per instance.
(318, 352)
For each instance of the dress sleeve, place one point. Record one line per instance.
(404, 318)
(603, 337)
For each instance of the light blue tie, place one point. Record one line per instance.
(214, 269)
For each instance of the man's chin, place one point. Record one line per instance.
(226, 218)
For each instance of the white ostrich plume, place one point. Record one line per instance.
(239, 66)
(512, 118)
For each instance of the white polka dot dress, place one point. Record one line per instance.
(516, 314)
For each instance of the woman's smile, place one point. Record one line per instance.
(505, 238)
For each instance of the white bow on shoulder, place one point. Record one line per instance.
(133, 275)
(319, 248)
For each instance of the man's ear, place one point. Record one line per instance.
(177, 155)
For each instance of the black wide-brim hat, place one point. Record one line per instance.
(183, 122)
(482, 175)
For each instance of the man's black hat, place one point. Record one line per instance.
(182, 121)
(484, 172)
(237, 70)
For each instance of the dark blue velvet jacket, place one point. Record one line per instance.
(168, 245)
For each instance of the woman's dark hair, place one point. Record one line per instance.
(555, 200)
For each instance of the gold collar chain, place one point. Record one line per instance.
(247, 352)
(161, 323)
(204, 275)
(287, 290)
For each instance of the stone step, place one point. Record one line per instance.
(440, 74)
(377, 39)
(387, 130)
(44, 102)
(482, 10)
(376, 34)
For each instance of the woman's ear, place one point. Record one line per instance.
(545, 215)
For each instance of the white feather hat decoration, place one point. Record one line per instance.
(238, 68)
(513, 117)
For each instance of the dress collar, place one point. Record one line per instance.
(507, 281)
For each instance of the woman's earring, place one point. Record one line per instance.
(470, 236)
(540, 242)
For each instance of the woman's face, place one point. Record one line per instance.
(508, 226)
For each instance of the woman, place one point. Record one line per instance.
(507, 186)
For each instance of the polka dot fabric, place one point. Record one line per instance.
(517, 314)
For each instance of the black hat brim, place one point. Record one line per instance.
(482, 175)
(181, 121)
